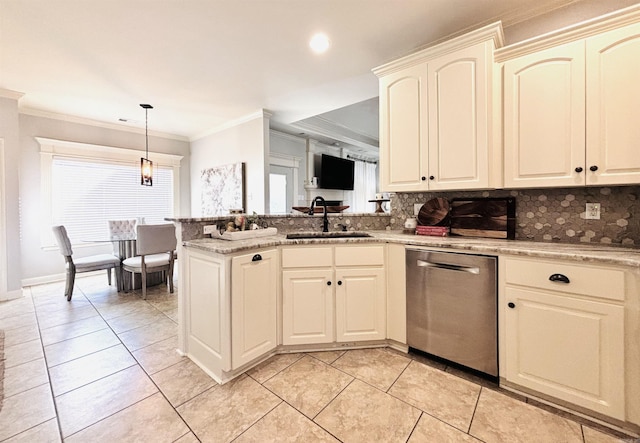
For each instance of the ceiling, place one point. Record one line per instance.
(205, 63)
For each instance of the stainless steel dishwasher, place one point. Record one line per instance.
(452, 307)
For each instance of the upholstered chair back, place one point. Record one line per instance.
(63, 241)
(154, 239)
(118, 228)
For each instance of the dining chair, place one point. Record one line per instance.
(155, 246)
(84, 264)
(121, 229)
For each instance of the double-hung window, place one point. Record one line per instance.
(86, 185)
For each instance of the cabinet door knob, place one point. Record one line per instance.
(511, 305)
(559, 278)
(431, 177)
(579, 169)
(329, 283)
(423, 178)
(339, 282)
(256, 257)
(593, 168)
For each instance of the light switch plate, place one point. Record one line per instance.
(592, 211)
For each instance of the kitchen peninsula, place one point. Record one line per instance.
(244, 301)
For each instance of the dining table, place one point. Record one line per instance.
(125, 247)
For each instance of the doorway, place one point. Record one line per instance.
(280, 189)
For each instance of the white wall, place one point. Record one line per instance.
(12, 271)
(36, 262)
(246, 142)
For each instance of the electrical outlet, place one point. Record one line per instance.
(592, 211)
(416, 208)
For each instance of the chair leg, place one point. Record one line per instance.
(118, 273)
(127, 283)
(170, 278)
(71, 278)
(143, 277)
(109, 276)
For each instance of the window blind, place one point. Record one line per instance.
(87, 193)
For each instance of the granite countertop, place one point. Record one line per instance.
(579, 252)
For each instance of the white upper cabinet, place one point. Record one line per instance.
(570, 106)
(613, 128)
(436, 116)
(459, 118)
(544, 118)
(403, 115)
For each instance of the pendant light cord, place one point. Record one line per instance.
(146, 132)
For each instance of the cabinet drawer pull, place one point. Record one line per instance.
(579, 169)
(511, 305)
(559, 278)
(329, 283)
(423, 178)
(593, 168)
(256, 257)
(339, 282)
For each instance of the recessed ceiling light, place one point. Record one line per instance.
(319, 43)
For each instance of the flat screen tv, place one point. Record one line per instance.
(336, 173)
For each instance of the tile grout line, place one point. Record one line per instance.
(53, 397)
(143, 370)
(44, 356)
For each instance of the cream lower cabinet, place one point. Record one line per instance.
(229, 308)
(333, 293)
(360, 304)
(254, 284)
(307, 303)
(564, 332)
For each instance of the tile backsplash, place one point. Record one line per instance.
(554, 214)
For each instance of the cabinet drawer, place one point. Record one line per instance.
(301, 257)
(360, 255)
(582, 279)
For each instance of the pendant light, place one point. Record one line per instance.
(146, 165)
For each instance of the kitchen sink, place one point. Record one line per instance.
(335, 234)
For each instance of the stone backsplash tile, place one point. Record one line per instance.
(193, 229)
(556, 214)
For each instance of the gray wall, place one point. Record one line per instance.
(37, 262)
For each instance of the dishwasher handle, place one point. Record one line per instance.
(449, 267)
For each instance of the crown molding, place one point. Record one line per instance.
(492, 33)
(571, 33)
(516, 16)
(97, 124)
(8, 93)
(262, 113)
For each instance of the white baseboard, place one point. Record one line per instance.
(34, 281)
(11, 295)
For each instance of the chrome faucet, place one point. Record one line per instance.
(325, 219)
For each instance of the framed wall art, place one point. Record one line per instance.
(222, 189)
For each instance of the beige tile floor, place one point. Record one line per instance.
(103, 368)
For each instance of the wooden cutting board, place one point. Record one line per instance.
(484, 217)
